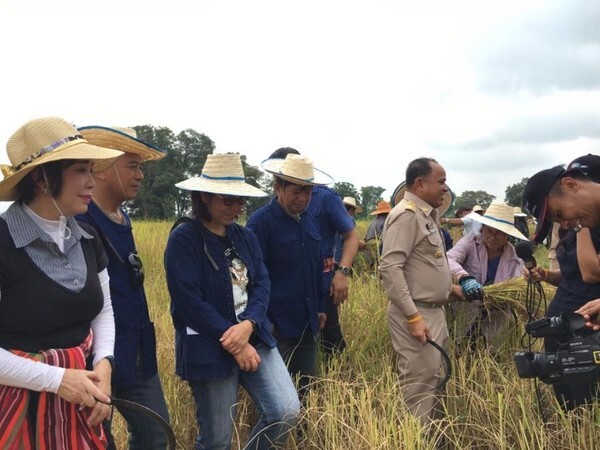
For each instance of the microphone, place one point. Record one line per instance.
(524, 251)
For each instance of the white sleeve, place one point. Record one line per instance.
(26, 373)
(103, 326)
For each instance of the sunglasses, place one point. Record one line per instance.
(137, 270)
(230, 200)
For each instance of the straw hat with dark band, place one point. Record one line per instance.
(501, 217)
(42, 141)
(297, 169)
(119, 138)
(222, 174)
(398, 195)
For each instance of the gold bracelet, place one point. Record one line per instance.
(415, 319)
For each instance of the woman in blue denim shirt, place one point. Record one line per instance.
(219, 289)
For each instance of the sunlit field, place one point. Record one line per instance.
(356, 403)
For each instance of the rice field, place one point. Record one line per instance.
(356, 404)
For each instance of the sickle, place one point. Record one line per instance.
(145, 411)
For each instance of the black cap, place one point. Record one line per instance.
(535, 199)
(589, 165)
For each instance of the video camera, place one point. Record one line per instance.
(577, 358)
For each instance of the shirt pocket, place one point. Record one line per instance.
(287, 249)
(436, 249)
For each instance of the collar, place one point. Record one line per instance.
(24, 231)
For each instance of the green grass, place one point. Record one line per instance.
(356, 403)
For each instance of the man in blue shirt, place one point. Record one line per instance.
(135, 376)
(291, 244)
(327, 207)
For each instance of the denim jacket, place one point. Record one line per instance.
(202, 306)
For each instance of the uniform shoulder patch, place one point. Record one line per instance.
(410, 206)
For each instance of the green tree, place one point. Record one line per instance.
(471, 198)
(345, 189)
(185, 155)
(259, 179)
(192, 148)
(156, 198)
(513, 195)
(371, 195)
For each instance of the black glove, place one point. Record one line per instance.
(472, 289)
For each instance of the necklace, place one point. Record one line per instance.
(115, 216)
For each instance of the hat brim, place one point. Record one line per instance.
(398, 195)
(118, 140)
(542, 228)
(357, 208)
(273, 166)
(237, 188)
(78, 150)
(380, 211)
(499, 225)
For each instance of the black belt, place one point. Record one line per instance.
(429, 305)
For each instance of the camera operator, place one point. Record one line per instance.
(571, 198)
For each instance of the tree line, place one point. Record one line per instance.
(186, 153)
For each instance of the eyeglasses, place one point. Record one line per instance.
(230, 200)
(137, 270)
(298, 189)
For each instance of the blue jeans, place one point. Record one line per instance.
(144, 433)
(273, 393)
(300, 356)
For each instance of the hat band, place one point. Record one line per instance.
(500, 220)
(222, 178)
(49, 148)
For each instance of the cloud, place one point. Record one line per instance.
(554, 48)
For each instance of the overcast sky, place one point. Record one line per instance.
(494, 90)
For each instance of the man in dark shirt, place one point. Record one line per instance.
(135, 377)
(290, 241)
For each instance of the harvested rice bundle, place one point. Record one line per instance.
(512, 293)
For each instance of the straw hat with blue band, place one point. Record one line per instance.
(501, 217)
(398, 195)
(222, 174)
(42, 141)
(297, 169)
(119, 138)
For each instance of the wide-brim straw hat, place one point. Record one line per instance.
(222, 174)
(351, 201)
(297, 169)
(501, 217)
(119, 138)
(42, 141)
(398, 195)
(383, 207)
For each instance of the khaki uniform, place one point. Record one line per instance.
(414, 268)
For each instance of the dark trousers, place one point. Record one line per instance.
(144, 432)
(332, 340)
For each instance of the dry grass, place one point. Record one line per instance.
(356, 403)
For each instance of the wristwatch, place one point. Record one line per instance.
(347, 271)
(254, 325)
